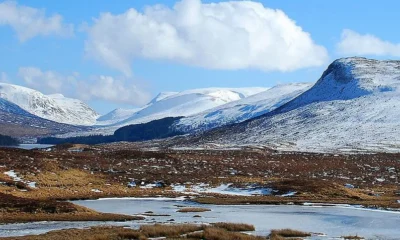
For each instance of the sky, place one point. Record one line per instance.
(122, 53)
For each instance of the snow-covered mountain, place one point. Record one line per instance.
(184, 103)
(52, 107)
(9, 107)
(243, 109)
(188, 102)
(15, 121)
(355, 105)
(115, 116)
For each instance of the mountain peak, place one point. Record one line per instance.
(369, 75)
(53, 107)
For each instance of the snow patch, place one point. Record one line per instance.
(12, 174)
(225, 189)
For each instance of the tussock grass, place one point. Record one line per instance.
(352, 237)
(193, 209)
(222, 234)
(94, 233)
(234, 227)
(288, 233)
(159, 230)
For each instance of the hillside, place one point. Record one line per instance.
(188, 102)
(16, 122)
(54, 107)
(180, 104)
(115, 116)
(354, 106)
(243, 109)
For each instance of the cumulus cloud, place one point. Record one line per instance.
(118, 90)
(30, 22)
(366, 44)
(225, 35)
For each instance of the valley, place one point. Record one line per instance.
(36, 185)
(329, 145)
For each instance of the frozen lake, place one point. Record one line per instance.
(333, 221)
(31, 146)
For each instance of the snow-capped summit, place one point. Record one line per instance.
(117, 115)
(184, 103)
(354, 106)
(188, 102)
(54, 107)
(242, 109)
(161, 96)
(350, 78)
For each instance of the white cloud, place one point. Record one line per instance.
(112, 89)
(367, 44)
(4, 77)
(226, 35)
(118, 90)
(47, 82)
(30, 22)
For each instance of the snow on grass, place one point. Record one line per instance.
(225, 189)
(12, 174)
(96, 191)
(289, 194)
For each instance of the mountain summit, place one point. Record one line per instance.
(353, 106)
(54, 107)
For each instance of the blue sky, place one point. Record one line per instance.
(59, 55)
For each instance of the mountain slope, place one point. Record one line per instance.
(180, 104)
(52, 107)
(115, 116)
(188, 102)
(16, 122)
(243, 109)
(353, 107)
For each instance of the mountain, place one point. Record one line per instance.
(243, 109)
(180, 104)
(188, 102)
(115, 116)
(16, 122)
(52, 107)
(162, 96)
(354, 106)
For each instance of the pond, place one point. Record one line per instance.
(333, 221)
(33, 146)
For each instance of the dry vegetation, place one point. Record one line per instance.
(193, 209)
(288, 233)
(91, 172)
(234, 227)
(15, 209)
(355, 237)
(159, 230)
(145, 232)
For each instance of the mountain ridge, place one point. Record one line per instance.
(53, 107)
(353, 106)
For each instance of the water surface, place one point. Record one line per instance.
(333, 221)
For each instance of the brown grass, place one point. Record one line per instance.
(80, 216)
(159, 230)
(193, 209)
(222, 234)
(62, 175)
(16, 209)
(234, 227)
(353, 237)
(94, 233)
(288, 233)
